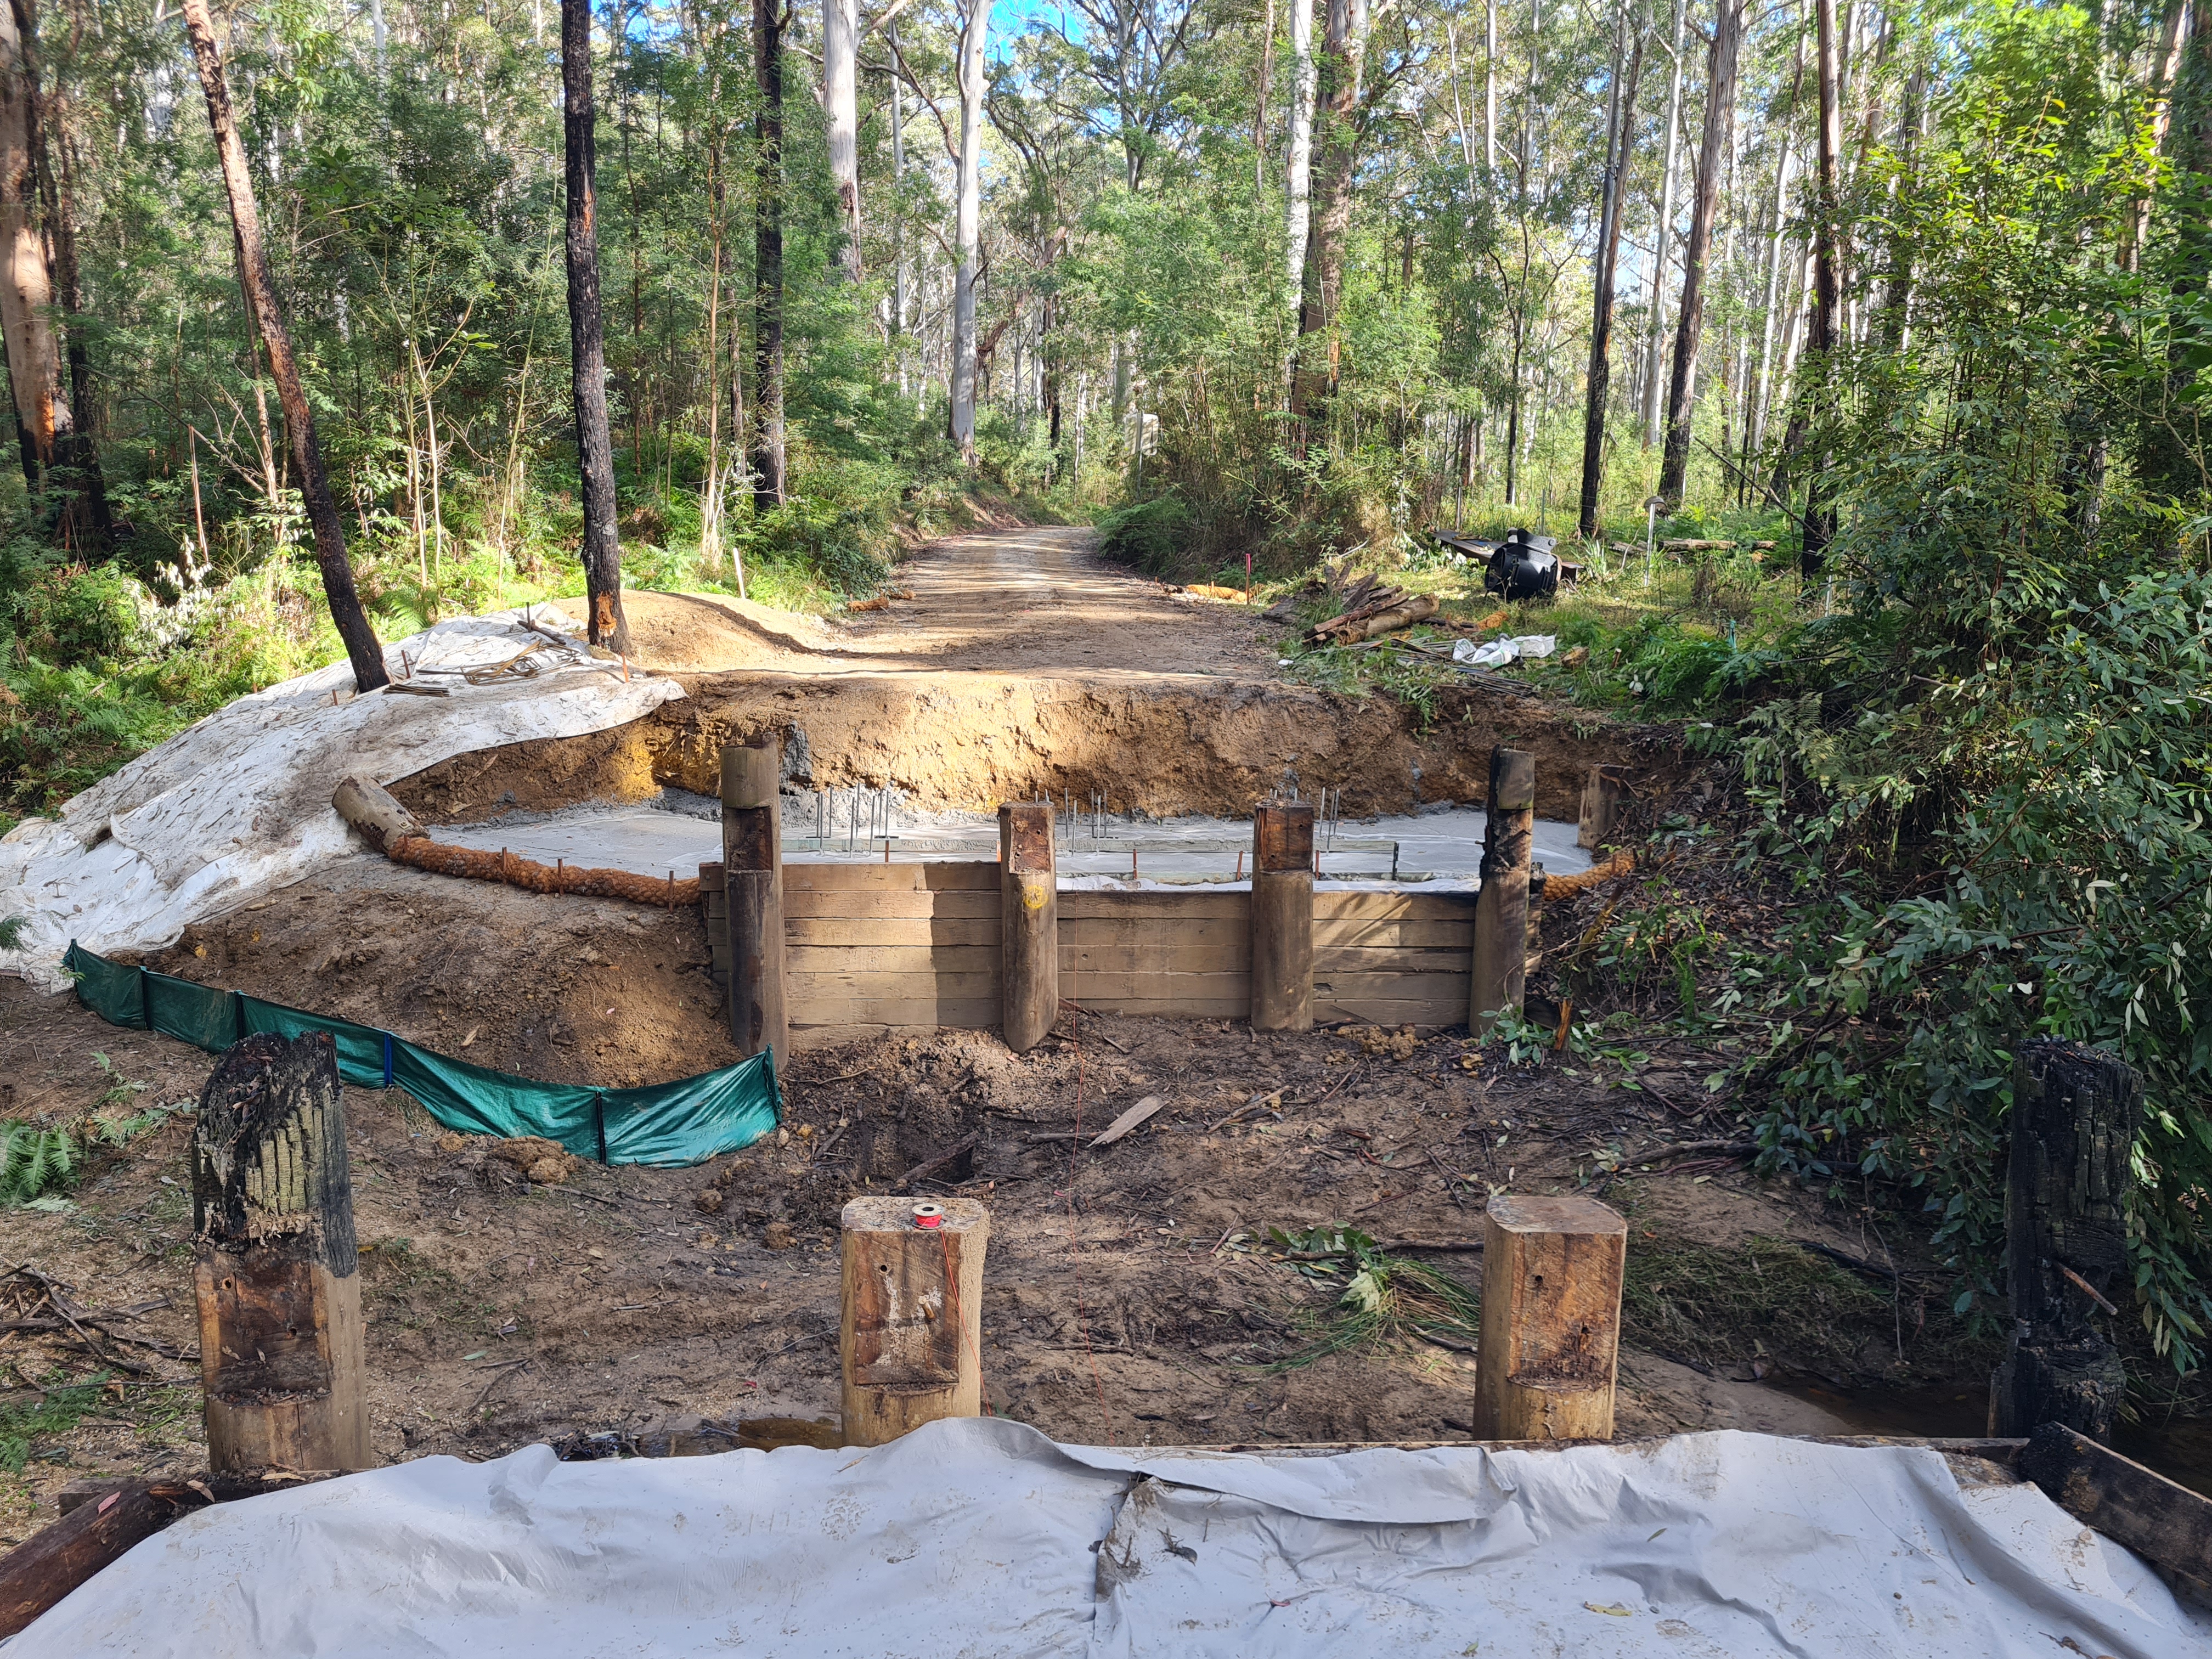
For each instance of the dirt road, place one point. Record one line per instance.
(1028, 601)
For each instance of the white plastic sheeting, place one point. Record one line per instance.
(241, 800)
(984, 1538)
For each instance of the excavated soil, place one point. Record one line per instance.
(1023, 666)
(1127, 1300)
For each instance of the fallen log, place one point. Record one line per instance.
(370, 808)
(1355, 626)
(1696, 544)
(37, 1574)
(2159, 1520)
(102, 1524)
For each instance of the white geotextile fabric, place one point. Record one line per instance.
(979, 1538)
(240, 801)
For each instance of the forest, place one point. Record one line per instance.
(324, 322)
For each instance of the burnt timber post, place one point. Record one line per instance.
(277, 1274)
(910, 1326)
(2074, 1114)
(1552, 1272)
(1282, 916)
(1501, 907)
(752, 887)
(1029, 924)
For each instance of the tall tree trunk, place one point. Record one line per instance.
(1297, 171)
(85, 520)
(840, 44)
(1820, 517)
(769, 483)
(898, 225)
(587, 339)
(1260, 103)
(1712, 158)
(1663, 232)
(1662, 235)
(1897, 292)
(43, 416)
(714, 493)
(1343, 59)
(1490, 86)
(1620, 130)
(968, 227)
(363, 650)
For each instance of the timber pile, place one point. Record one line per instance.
(1372, 608)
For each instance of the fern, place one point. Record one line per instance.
(11, 932)
(34, 1160)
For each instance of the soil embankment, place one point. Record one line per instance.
(1023, 667)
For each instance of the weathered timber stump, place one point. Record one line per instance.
(911, 1325)
(1552, 1272)
(277, 1275)
(2074, 1114)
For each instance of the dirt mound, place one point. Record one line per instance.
(707, 633)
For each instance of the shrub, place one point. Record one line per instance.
(77, 613)
(1149, 534)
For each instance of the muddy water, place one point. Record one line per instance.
(1434, 849)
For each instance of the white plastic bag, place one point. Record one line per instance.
(1495, 654)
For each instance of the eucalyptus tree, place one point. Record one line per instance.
(602, 549)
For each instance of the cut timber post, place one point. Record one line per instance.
(1606, 796)
(1551, 1319)
(1029, 912)
(1282, 916)
(278, 1275)
(2075, 1113)
(752, 884)
(910, 1336)
(1501, 909)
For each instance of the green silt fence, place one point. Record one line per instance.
(686, 1121)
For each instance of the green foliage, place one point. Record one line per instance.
(832, 541)
(1386, 1298)
(35, 1161)
(75, 613)
(1151, 535)
(39, 1413)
